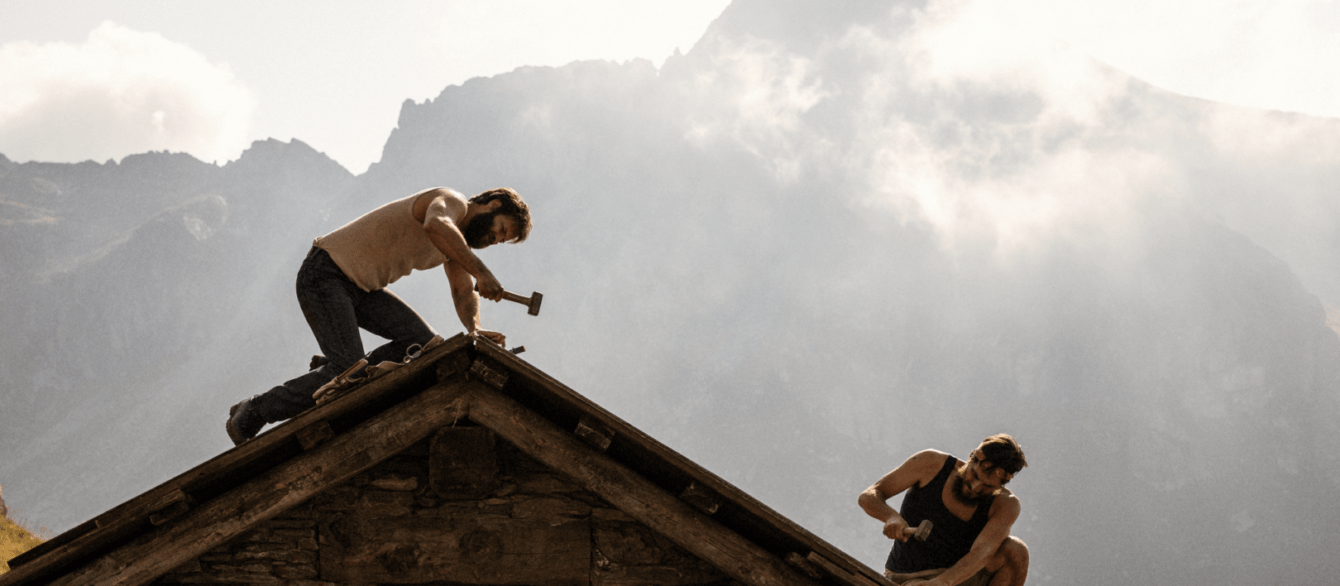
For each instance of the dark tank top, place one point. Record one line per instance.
(951, 537)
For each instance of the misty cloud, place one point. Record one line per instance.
(122, 91)
(992, 136)
(1285, 48)
(1002, 138)
(766, 93)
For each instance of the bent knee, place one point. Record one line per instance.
(1015, 551)
(1012, 553)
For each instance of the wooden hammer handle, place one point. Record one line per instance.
(532, 303)
(510, 296)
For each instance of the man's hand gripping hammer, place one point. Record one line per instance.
(922, 531)
(532, 303)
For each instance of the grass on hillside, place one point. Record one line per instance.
(14, 540)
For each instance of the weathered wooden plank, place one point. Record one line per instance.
(800, 563)
(489, 373)
(628, 553)
(701, 498)
(492, 549)
(652, 576)
(127, 519)
(452, 365)
(843, 575)
(315, 433)
(733, 555)
(462, 463)
(171, 507)
(157, 552)
(595, 433)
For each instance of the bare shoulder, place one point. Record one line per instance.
(927, 463)
(917, 470)
(440, 201)
(1005, 504)
(927, 459)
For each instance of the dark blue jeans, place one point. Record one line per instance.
(335, 309)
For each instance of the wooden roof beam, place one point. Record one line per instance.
(837, 572)
(131, 518)
(734, 555)
(736, 509)
(326, 465)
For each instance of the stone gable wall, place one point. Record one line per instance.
(461, 507)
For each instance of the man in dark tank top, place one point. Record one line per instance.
(971, 512)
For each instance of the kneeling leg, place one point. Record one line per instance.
(1009, 564)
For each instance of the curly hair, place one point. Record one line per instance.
(510, 204)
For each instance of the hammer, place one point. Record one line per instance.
(923, 530)
(532, 303)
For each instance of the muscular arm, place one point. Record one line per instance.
(463, 297)
(1004, 511)
(463, 267)
(440, 223)
(916, 471)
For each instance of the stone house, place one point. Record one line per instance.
(464, 466)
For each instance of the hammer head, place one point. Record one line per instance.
(533, 308)
(923, 530)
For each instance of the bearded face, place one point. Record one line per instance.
(476, 232)
(974, 485)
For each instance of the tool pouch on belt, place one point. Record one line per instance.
(343, 382)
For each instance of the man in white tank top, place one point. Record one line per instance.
(342, 286)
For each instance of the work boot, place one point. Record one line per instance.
(244, 421)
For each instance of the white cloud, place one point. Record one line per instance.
(1276, 54)
(979, 45)
(997, 138)
(120, 92)
(1001, 138)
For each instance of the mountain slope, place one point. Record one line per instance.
(14, 540)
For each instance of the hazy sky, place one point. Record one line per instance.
(101, 79)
